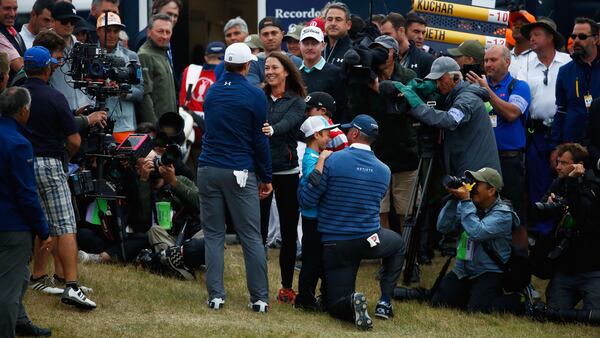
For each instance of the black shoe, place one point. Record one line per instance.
(361, 317)
(30, 330)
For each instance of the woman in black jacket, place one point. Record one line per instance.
(285, 93)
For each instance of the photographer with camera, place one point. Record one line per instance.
(396, 145)
(169, 202)
(52, 125)
(573, 200)
(486, 221)
(121, 108)
(469, 141)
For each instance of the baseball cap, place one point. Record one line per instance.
(487, 175)
(113, 20)
(312, 32)
(365, 123)
(441, 66)
(317, 22)
(215, 47)
(387, 42)
(4, 64)
(314, 124)
(239, 53)
(38, 57)
(64, 10)
(82, 26)
(470, 48)
(253, 41)
(525, 15)
(293, 32)
(320, 99)
(269, 21)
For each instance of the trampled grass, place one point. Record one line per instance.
(135, 303)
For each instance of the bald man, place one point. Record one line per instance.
(509, 99)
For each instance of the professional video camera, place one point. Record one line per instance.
(104, 180)
(363, 63)
(100, 74)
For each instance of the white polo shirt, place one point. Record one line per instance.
(543, 96)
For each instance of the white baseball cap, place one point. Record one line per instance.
(239, 53)
(312, 32)
(314, 124)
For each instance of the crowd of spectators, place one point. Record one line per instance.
(292, 129)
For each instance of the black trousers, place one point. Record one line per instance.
(312, 263)
(513, 175)
(342, 259)
(481, 294)
(193, 252)
(285, 188)
(93, 241)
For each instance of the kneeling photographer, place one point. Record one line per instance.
(573, 201)
(486, 222)
(167, 201)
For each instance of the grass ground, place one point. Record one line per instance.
(135, 303)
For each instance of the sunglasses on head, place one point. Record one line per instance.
(581, 36)
(65, 22)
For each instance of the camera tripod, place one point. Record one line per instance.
(414, 217)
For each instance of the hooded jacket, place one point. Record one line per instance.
(469, 140)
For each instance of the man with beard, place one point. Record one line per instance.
(578, 84)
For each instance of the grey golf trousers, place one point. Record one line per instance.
(217, 188)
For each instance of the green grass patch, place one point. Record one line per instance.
(135, 303)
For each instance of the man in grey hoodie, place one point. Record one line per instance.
(469, 141)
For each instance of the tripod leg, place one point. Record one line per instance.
(417, 220)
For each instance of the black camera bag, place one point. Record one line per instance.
(517, 270)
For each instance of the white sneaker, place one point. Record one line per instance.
(216, 303)
(85, 257)
(47, 286)
(259, 306)
(77, 298)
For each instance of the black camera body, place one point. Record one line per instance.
(558, 203)
(92, 67)
(454, 182)
(362, 64)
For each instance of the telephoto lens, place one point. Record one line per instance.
(403, 293)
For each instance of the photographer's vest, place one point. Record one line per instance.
(198, 79)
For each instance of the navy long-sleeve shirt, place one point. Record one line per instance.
(19, 202)
(575, 81)
(234, 113)
(348, 194)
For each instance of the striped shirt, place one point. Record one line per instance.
(347, 193)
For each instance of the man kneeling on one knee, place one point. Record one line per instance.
(484, 219)
(348, 189)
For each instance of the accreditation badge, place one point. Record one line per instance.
(494, 120)
(588, 100)
(465, 248)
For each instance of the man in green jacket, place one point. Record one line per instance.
(157, 71)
